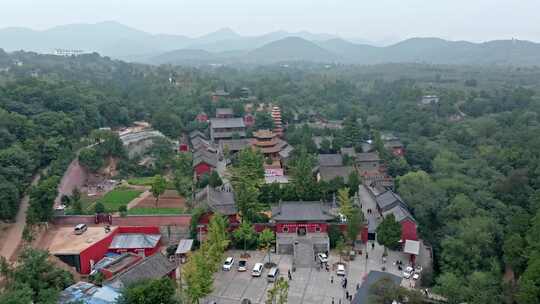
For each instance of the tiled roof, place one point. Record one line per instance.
(224, 111)
(235, 144)
(134, 241)
(367, 157)
(152, 267)
(204, 156)
(388, 200)
(330, 160)
(400, 213)
(329, 173)
(348, 151)
(218, 201)
(216, 123)
(301, 211)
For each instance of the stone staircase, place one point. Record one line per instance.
(303, 256)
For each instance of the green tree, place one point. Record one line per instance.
(265, 240)
(215, 180)
(245, 234)
(302, 179)
(247, 177)
(152, 291)
(91, 159)
(263, 121)
(99, 208)
(279, 293)
(159, 185)
(353, 181)
(389, 232)
(35, 276)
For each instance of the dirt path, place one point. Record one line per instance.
(14, 234)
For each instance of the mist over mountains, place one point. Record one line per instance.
(228, 47)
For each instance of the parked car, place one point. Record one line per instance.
(80, 229)
(273, 275)
(229, 262)
(409, 271)
(341, 270)
(257, 270)
(323, 258)
(242, 265)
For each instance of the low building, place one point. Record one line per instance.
(216, 201)
(204, 162)
(144, 244)
(330, 160)
(227, 128)
(305, 222)
(269, 144)
(350, 152)
(153, 267)
(234, 145)
(429, 99)
(330, 173)
(389, 202)
(368, 162)
(112, 267)
(84, 251)
(224, 113)
(88, 293)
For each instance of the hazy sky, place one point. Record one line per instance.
(476, 20)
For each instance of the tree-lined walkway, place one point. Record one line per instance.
(14, 234)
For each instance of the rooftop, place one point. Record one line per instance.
(367, 157)
(388, 200)
(330, 173)
(204, 156)
(65, 241)
(184, 246)
(217, 200)
(219, 123)
(348, 151)
(301, 211)
(330, 160)
(88, 293)
(263, 134)
(224, 111)
(400, 213)
(235, 144)
(134, 241)
(152, 267)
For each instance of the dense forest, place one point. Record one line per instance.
(471, 173)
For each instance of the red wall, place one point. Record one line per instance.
(202, 168)
(311, 227)
(95, 252)
(408, 230)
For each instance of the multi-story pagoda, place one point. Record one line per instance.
(276, 117)
(268, 143)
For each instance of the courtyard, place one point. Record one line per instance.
(308, 285)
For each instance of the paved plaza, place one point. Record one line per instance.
(308, 285)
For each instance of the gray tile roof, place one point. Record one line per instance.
(228, 134)
(389, 200)
(400, 213)
(205, 156)
(216, 123)
(197, 133)
(235, 144)
(330, 160)
(224, 111)
(217, 201)
(367, 157)
(134, 241)
(286, 152)
(362, 295)
(152, 267)
(329, 173)
(348, 151)
(301, 211)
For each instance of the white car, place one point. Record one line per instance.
(416, 276)
(229, 262)
(257, 270)
(409, 271)
(341, 270)
(242, 265)
(322, 257)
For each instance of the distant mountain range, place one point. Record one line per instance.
(226, 46)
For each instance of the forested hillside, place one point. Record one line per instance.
(472, 167)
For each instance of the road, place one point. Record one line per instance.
(14, 234)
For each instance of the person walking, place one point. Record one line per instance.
(289, 274)
(332, 300)
(372, 245)
(331, 279)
